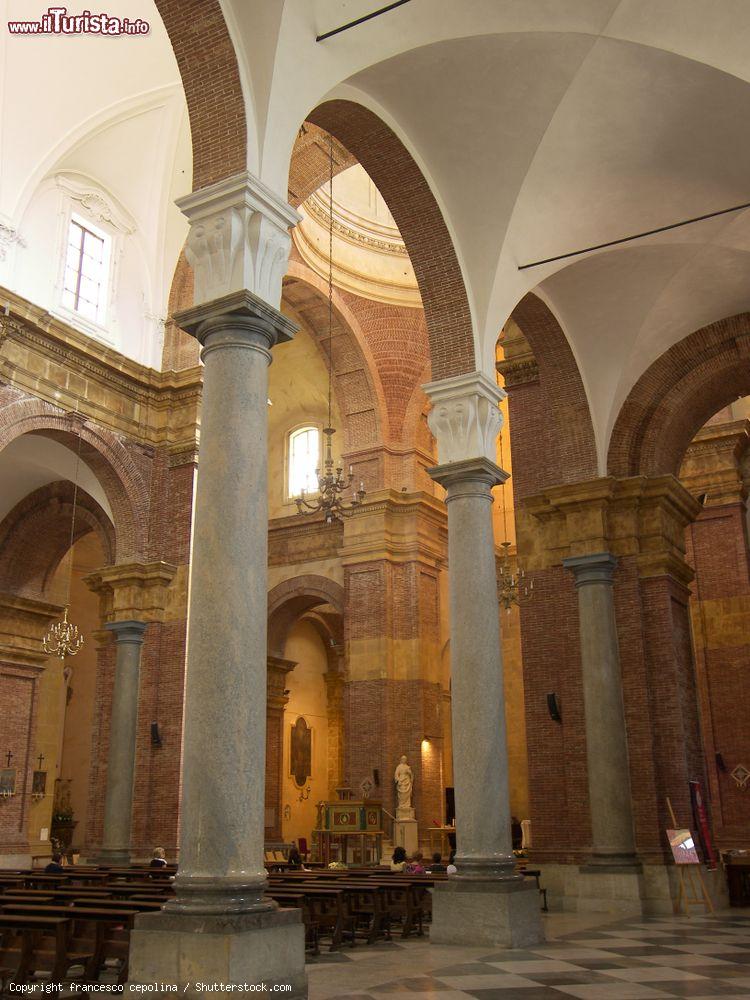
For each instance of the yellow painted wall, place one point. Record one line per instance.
(307, 698)
(298, 390)
(64, 731)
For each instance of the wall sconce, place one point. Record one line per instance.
(553, 707)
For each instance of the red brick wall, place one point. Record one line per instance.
(677, 394)
(210, 76)
(718, 551)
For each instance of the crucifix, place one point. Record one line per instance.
(10, 758)
(41, 758)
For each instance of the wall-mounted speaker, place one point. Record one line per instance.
(553, 707)
(155, 735)
(376, 777)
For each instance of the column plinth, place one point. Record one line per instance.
(118, 802)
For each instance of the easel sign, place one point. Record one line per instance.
(693, 890)
(683, 847)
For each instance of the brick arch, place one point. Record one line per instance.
(554, 427)
(677, 394)
(289, 600)
(35, 536)
(418, 217)
(123, 484)
(211, 80)
(356, 383)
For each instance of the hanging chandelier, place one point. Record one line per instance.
(333, 485)
(63, 638)
(514, 584)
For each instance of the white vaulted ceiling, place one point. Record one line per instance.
(543, 128)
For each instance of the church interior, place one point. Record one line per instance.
(374, 464)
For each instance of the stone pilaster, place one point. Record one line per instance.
(118, 802)
(23, 622)
(606, 739)
(220, 924)
(131, 596)
(276, 701)
(486, 901)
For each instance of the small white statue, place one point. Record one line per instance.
(404, 779)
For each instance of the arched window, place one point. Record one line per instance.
(304, 459)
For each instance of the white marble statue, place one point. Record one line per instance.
(404, 779)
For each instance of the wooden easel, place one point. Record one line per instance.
(692, 894)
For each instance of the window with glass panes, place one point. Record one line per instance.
(85, 272)
(304, 459)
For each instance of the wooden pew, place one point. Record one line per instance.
(96, 934)
(45, 945)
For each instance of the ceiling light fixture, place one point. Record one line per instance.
(332, 484)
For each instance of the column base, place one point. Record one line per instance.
(199, 954)
(497, 914)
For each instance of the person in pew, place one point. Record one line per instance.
(56, 864)
(398, 860)
(437, 865)
(415, 866)
(294, 858)
(451, 869)
(158, 858)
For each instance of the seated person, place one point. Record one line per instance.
(437, 863)
(158, 858)
(415, 866)
(56, 864)
(451, 869)
(398, 861)
(294, 858)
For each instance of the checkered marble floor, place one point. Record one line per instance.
(634, 959)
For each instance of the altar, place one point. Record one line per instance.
(349, 831)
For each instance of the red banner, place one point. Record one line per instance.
(700, 817)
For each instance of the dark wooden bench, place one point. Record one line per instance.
(95, 934)
(36, 943)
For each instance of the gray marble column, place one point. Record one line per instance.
(480, 760)
(222, 817)
(613, 842)
(118, 802)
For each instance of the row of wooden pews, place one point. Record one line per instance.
(344, 906)
(74, 925)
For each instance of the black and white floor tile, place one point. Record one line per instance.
(638, 959)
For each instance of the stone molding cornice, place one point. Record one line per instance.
(23, 622)
(518, 371)
(276, 673)
(640, 516)
(713, 466)
(397, 527)
(38, 349)
(134, 591)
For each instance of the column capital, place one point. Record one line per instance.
(465, 419)
(239, 238)
(468, 476)
(240, 319)
(598, 567)
(132, 591)
(127, 631)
